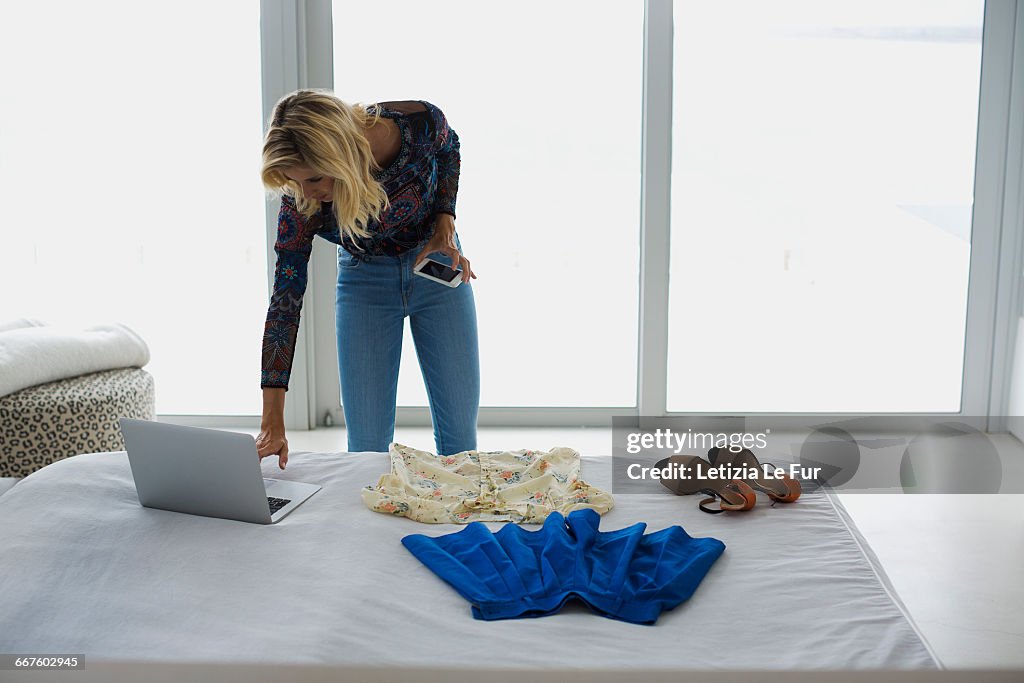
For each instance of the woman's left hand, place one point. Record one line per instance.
(443, 241)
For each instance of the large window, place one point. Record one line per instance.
(822, 180)
(546, 99)
(819, 207)
(130, 141)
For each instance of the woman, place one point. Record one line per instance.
(379, 181)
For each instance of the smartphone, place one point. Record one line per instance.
(438, 272)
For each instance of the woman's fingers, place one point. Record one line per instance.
(460, 261)
(272, 445)
(467, 272)
(452, 252)
(447, 249)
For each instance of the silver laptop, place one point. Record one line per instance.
(206, 472)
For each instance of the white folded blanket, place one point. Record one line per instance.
(39, 354)
(19, 323)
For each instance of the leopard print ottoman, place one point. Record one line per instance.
(48, 422)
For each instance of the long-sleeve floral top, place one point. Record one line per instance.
(483, 486)
(421, 182)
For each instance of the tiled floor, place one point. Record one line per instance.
(955, 560)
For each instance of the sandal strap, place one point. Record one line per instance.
(713, 454)
(715, 495)
(710, 511)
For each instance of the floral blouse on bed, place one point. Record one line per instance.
(483, 486)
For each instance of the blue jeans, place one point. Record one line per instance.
(373, 299)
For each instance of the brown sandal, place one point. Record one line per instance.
(780, 490)
(689, 474)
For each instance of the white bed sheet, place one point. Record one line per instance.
(85, 569)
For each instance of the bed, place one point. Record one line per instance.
(85, 569)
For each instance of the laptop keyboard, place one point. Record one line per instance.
(277, 503)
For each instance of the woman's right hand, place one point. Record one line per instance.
(272, 441)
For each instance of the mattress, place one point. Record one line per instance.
(85, 569)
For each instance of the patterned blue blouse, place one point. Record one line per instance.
(421, 182)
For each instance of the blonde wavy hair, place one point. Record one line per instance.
(316, 129)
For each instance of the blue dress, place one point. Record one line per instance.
(622, 574)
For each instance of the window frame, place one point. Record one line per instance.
(297, 52)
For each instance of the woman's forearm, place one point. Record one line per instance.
(273, 406)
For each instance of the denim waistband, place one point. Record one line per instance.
(367, 257)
